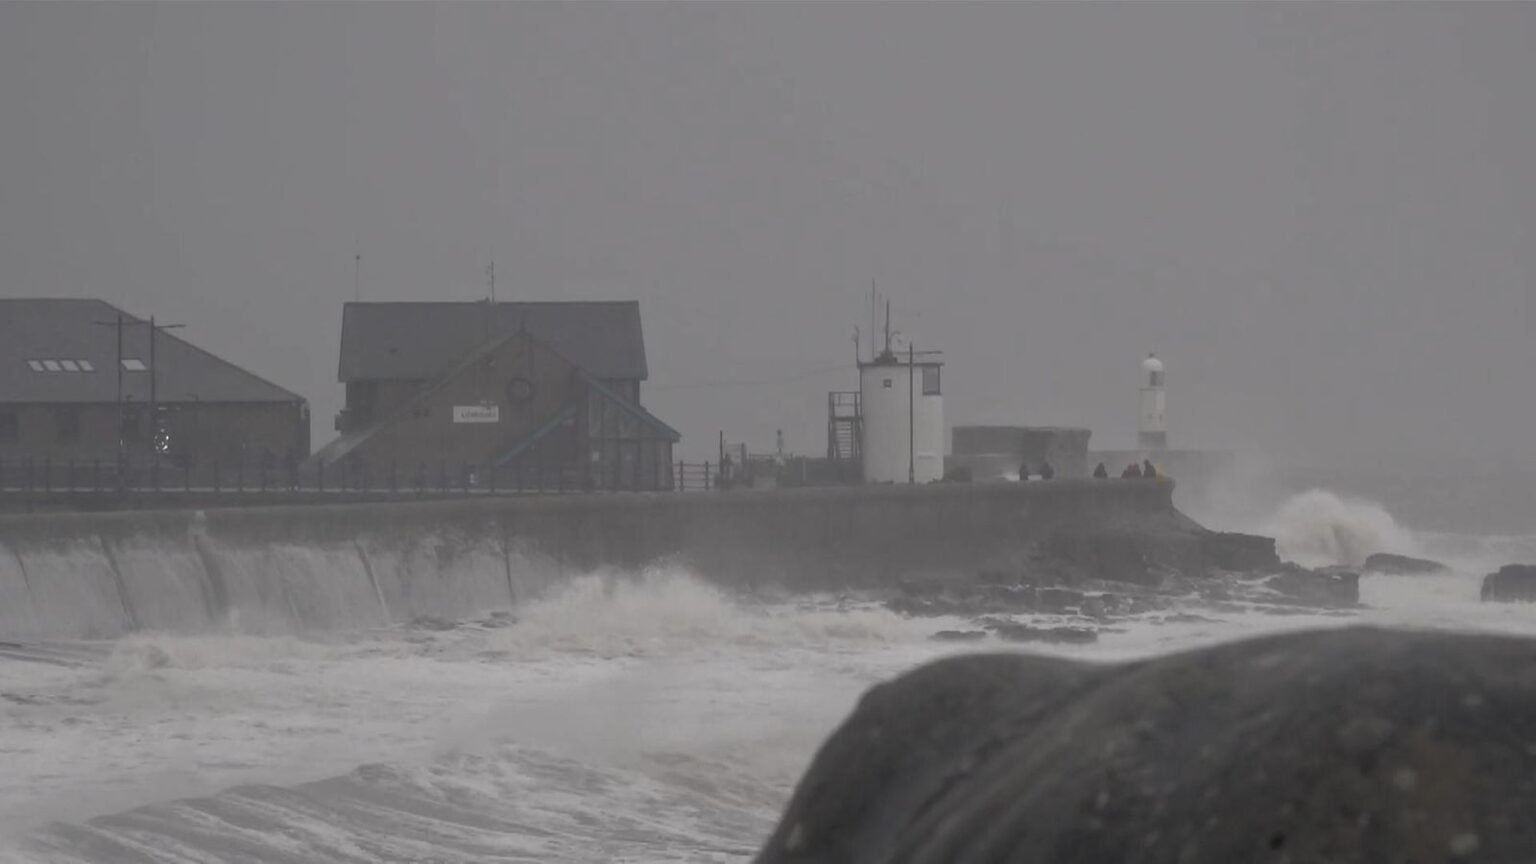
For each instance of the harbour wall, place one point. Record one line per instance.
(348, 566)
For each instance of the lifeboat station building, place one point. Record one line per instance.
(537, 391)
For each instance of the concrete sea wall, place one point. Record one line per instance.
(96, 575)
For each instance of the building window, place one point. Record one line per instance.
(66, 419)
(134, 364)
(10, 428)
(931, 380)
(35, 365)
(52, 365)
(85, 366)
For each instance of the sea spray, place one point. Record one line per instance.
(1320, 528)
(662, 610)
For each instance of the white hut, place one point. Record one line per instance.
(902, 403)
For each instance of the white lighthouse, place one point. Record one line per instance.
(902, 407)
(1152, 428)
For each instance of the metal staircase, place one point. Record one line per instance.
(845, 427)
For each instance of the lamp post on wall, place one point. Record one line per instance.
(158, 437)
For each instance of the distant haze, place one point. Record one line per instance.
(1323, 216)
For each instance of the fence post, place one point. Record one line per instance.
(186, 476)
(490, 477)
(706, 475)
(320, 476)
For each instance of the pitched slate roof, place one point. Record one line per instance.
(53, 330)
(421, 341)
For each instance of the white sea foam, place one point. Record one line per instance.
(644, 716)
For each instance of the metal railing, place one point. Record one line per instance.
(38, 479)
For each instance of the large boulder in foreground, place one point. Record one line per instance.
(1402, 565)
(1346, 746)
(1514, 583)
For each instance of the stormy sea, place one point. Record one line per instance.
(616, 716)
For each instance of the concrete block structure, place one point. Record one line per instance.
(995, 452)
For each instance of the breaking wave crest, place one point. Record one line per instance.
(1318, 528)
(664, 610)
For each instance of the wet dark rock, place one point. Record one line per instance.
(1187, 618)
(1058, 600)
(1514, 583)
(1239, 553)
(959, 635)
(1328, 588)
(1354, 745)
(1123, 557)
(1402, 565)
(1012, 632)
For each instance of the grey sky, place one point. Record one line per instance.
(1322, 216)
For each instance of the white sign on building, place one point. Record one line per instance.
(477, 413)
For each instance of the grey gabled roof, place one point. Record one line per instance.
(421, 341)
(66, 329)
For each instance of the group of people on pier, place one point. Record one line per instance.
(1145, 471)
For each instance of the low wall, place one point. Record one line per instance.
(67, 575)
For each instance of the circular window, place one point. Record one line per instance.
(519, 390)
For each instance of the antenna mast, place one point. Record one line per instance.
(357, 275)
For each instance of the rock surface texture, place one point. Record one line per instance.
(1402, 565)
(1355, 745)
(1513, 583)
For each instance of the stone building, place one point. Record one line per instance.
(533, 391)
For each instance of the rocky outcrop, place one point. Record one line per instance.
(1225, 550)
(1514, 583)
(1351, 746)
(1328, 588)
(1402, 565)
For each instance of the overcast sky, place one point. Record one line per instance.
(1323, 217)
